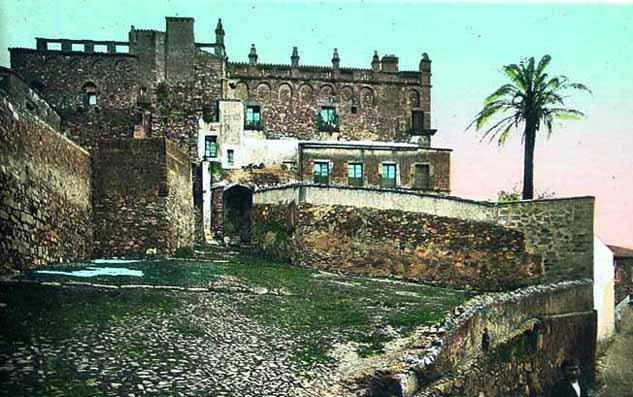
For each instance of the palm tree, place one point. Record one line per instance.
(531, 99)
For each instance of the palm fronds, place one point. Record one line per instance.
(530, 96)
(531, 99)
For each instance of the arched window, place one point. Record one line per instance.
(90, 94)
(414, 99)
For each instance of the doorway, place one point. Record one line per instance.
(238, 201)
(422, 177)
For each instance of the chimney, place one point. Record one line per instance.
(390, 64)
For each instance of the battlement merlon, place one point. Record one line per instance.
(41, 43)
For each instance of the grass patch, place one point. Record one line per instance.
(372, 344)
(312, 352)
(317, 308)
(345, 308)
(406, 321)
(66, 382)
(58, 313)
(184, 252)
(187, 328)
(617, 378)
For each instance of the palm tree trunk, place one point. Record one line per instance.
(528, 161)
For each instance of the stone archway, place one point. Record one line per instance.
(238, 201)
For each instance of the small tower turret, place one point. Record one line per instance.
(252, 55)
(219, 38)
(425, 63)
(294, 58)
(375, 62)
(425, 99)
(336, 61)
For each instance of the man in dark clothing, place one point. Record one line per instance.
(570, 385)
(485, 340)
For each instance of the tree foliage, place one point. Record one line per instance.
(532, 99)
(505, 196)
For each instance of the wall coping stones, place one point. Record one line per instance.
(545, 200)
(374, 145)
(5, 70)
(74, 53)
(489, 204)
(290, 186)
(414, 365)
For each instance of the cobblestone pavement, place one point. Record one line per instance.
(202, 348)
(69, 338)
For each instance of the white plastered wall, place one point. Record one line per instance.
(603, 288)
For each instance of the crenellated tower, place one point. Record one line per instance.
(179, 49)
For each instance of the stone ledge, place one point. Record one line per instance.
(409, 377)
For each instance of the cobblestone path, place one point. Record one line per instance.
(203, 348)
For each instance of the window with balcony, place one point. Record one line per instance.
(388, 175)
(328, 119)
(322, 172)
(355, 174)
(253, 119)
(210, 147)
(417, 121)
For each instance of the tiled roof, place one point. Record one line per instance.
(621, 252)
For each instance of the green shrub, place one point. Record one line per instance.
(184, 252)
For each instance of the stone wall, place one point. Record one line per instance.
(45, 199)
(383, 199)
(180, 208)
(217, 211)
(167, 82)
(370, 104)
(623, 278)
(178, 105)
(26, 100)
(143, 197)
(415, 246)
(558, 230)
(532, 331)
(63, 78)
(371, 157)
(561, 230)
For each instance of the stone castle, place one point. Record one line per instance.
(119, 148)
(331, 125)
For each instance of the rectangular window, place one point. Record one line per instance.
(322, 172)
(210, 146)
(422, 176)
(417, 120)
(253, 119)
(388, 178)
(230, 157)
(355, 174)
(328, 119)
